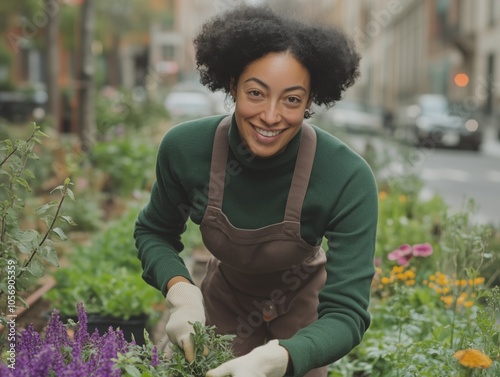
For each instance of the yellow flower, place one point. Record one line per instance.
(472, 358)
(410, 274)
(410, 283)
(448, 300)
(382, 195)
(398, 269)
(385, 280)
(402, 198)
(478, 281)
(468, 304)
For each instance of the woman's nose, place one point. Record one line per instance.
(271, 114)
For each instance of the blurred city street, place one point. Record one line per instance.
(90, 88)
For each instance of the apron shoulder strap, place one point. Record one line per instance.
(301, 174)
(218, 164)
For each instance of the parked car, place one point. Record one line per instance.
(354, 116)
(190, 100)
(183, 105)
(432, 121)
(21, 106)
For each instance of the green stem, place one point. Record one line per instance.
(16, 148)
(56, 216)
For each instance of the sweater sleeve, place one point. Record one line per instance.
(343, 314)
(161, 222)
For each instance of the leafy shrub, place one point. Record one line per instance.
(106, 275)
(24, 253)
(128, 161)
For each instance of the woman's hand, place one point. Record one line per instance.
(185, 302)
(269, 360)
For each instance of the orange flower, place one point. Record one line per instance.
(472, 358)
(382, 195)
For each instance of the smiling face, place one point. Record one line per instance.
(271, 96)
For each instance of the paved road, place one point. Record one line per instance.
(455, 175)
(459, 176)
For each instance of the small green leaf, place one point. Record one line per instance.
(28, 173)
(60, 233)
(68, 220)
(49, 254)
(43, 209)
(60, 188)
(70, 194)
(36, 268)
(23, 183)
(132, 371)
(40, 133)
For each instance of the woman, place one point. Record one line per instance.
(266, 189)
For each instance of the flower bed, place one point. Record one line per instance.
(73, 352)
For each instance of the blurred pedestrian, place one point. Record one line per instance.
(266, 188)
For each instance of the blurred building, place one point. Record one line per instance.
(433, 46)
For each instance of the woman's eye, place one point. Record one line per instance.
(294, 100)
(254, 93)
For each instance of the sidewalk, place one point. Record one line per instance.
(491, 140)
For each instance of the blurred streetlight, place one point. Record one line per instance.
(461, 79)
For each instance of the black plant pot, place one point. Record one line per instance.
(134, 326)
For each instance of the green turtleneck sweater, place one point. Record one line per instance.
(340, 204)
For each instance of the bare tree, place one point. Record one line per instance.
(86, 111)
(52, 61)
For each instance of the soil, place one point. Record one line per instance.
(38, 314)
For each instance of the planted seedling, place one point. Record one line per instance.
(204, 337)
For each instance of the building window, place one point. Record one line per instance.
(493, 12)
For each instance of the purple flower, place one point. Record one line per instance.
(154, 357)
(42, 363)
(56, 333)
(109, 352)
(5, 371)
(81, 334)
(29, 342)
(58, 355)
(422, 250)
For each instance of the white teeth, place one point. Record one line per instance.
(267, 133)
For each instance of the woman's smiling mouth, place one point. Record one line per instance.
(265, 133)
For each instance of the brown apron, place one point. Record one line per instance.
(261, 284)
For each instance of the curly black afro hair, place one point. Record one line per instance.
(228, 43)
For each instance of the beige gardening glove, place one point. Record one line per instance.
(269, 360)
(185, 302)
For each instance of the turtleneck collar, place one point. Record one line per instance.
(247, 159)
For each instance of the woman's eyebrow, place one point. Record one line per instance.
(260, 82)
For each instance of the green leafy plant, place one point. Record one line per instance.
(24, 254)
(141, 361)
(106, 275)
(219, 351)
(123, 160)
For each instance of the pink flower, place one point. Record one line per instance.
(401, 252)
(422, 250)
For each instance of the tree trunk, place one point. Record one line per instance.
(52, 62)
(115, 65)
(86, 105)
